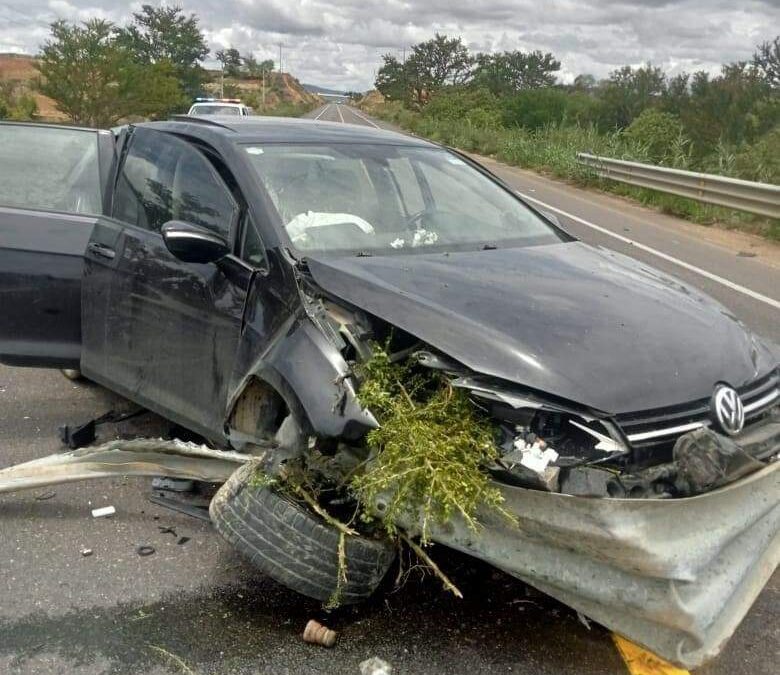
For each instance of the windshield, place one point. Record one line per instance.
(214, 110)
(352, 198)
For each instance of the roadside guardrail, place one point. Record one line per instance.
(742, 195)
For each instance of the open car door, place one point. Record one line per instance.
(52, 189)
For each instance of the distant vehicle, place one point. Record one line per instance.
(219, 106)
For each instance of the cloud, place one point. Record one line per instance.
(339, 42)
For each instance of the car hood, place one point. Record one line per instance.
(581, 323)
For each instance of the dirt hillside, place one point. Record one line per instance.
(279, 88)
(371, 100)
(20, 68)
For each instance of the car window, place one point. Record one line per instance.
(165, 178)
(252, 249)
(215, 110)
(49, 168)
(362, 198)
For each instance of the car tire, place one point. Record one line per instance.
(295, 546)
(72, 374)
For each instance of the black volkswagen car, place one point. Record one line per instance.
(227, 274)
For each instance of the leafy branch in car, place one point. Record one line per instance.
(429, 452)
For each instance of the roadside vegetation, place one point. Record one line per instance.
(97, 73)
(512, 106)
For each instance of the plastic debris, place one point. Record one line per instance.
(173, 484)
(182, 541)
(103, 512)
(317, 634)
(375, 666)
(86, 552)
(584, 620)
(145, 550)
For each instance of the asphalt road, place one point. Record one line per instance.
(197, 607)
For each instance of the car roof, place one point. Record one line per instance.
(259, 129)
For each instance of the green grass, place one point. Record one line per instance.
(552, 150)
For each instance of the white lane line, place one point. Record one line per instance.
(324, 110)
(338, 110)
(365, 119)
(642, 247)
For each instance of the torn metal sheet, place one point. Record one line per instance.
(675, 575)
(137, 457)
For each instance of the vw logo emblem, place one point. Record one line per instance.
(727, 409)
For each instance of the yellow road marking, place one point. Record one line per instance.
(641, 662)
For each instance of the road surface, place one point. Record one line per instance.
(198, 606)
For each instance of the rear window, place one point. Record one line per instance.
(215, 110)
(49, 168)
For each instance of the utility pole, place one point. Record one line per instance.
(222, 82)
(280, 58)
(263, 74)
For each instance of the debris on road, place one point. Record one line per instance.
(43, 496)
(145, 550)
(583, 620)
(317, 634)
(375, 666)
(182, 541)
(173, 484)
(86, 552)
(103, 512)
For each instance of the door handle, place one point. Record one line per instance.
(102, 250)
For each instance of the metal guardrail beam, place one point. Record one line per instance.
(742, 195)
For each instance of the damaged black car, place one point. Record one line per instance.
(232, 275)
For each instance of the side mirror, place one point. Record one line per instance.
(192, 243)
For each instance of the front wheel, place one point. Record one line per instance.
(295, 546)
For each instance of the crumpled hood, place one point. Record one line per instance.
(582, 323)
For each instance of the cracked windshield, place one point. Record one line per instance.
(353, 198)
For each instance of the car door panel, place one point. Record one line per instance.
(51, 191)
(41, 262)
(171, 329)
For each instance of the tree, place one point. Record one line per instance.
(535, 108)
(627, 92)
(656, 132)
(166, 34)
(94, 80)
(434, 63)
(391, 79)
(676, 97)
(510, 72)
(767, 60)
(230, 59)
(253, 69)
(585, 83)
(734, 107)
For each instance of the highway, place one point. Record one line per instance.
(197, 607)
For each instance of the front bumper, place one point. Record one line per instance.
(675, 575)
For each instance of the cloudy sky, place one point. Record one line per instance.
(338, 43)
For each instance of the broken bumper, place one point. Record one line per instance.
(676, 576)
